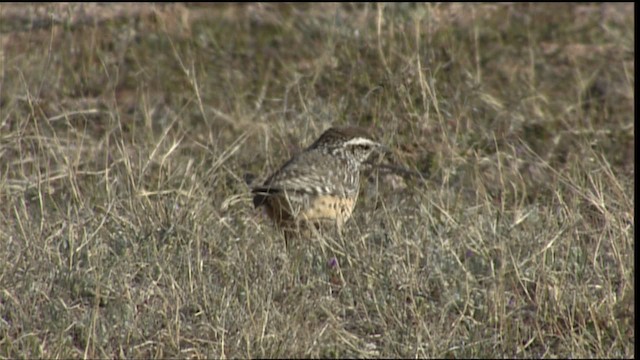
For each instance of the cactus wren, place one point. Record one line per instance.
(319, 185)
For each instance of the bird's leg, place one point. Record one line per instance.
(317, 233)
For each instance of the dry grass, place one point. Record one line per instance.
(126, 225)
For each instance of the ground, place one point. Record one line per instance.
(502, 224)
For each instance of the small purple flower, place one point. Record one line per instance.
(333, 263)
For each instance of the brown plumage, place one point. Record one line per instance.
(319, 185)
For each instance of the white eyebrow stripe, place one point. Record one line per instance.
(360, 141)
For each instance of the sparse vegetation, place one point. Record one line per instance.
(127, 133)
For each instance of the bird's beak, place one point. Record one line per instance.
(383, 149)
(379, 153)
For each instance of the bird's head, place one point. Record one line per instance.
(351, 143)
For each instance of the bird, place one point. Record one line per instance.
(319, 186)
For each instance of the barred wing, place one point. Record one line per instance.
(312, 173)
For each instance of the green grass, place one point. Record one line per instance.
(127, 228)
